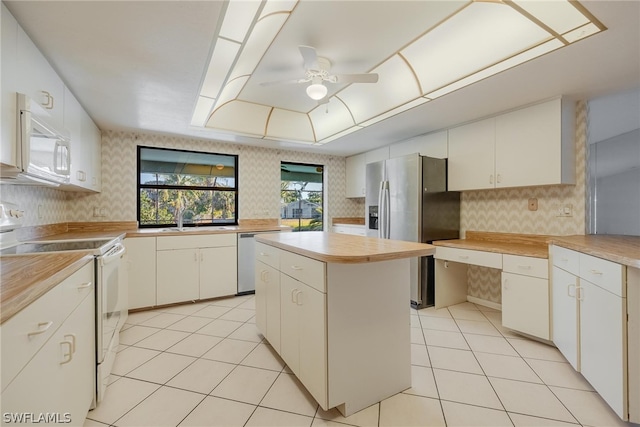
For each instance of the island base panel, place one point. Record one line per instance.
(451, 283)
(368, 332)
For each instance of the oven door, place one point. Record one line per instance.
(111, 311)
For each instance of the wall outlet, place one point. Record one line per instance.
(533, 204)
(98, 212)
(565, 211)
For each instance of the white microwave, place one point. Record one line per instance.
(43, 153)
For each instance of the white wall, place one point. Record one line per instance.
(619, 204)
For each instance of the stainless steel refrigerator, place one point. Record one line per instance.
(407, 199)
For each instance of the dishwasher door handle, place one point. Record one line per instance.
(246, 235)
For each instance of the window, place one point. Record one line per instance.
(200, 188)
(301, 196)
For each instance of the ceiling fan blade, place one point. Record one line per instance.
(356, 78)
(283, 82)
(310, 57)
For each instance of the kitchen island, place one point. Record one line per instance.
(336, 309)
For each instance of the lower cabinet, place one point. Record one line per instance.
(141, 271)
(304, 335)
(525, 295)
(59, 381)
(196, 267)
(268, 303)
(590, 322)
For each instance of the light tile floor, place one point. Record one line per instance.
(205, 364)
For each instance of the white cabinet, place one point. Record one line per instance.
(141, 269)
(38, 80)
(565, 327)
(195, 267)
(304, 335)
(431, 145)
(8, 84)
(528, 147)
(525, 295)
(355, 176)
(85, 146)
(57, 366)
(357, 230)
(376, 155)
(472, 156)
(590, 322)
(268, 301)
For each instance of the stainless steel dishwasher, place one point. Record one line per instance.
(247, 262)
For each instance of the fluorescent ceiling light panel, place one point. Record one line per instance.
(231, 91)
(396, 85)
(547, 47)
(202, 110)
(559, 15)
(275, 6)
(340, 135)
(409, 105)
(329, 119)
(480, 35)
(290, 125)
(238, 19)
(224, 53)
(241, 117)
(259, 40)
(582, 32)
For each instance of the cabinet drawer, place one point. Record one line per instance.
(606, 274)
(268, 254)
(26, 332)
(199, 241)
(306, 270)
(566, 259)
(526, 266)
(466, 256)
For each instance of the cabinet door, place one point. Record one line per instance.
(261, 298)
(355, 176)
(141, 270)
(92, 140)
(603, 317)
(289, 327)
(59, 379)
(525, 304)
(528, 146)
(218, 272)
(565, 332)
(79, 156)
(471, 156)
(8, 87)
(38, 80)
(313, 342)
(177, 275)
(272, 281)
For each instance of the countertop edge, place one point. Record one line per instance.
(609, 255)
(496, 247)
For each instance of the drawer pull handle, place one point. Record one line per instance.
(599, 273)
(463, 256)
(569, 290)
(299, 296)
(295, 267)
(85, 286)
(264, 254)
(48, 104)
(67, 357)
(73, 341)
(525, 267)
(44, 326)
(294, 296)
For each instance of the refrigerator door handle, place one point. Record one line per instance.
(385, 223)
(380, 210)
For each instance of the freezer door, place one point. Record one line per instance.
(404, 175)
(374, 177)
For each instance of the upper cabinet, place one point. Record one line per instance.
(532, 146)
(430, 145)
(25, 70)
(85, 145)
(356, 175)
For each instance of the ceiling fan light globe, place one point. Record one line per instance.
(317, 91)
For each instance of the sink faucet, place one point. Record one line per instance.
(181, 216)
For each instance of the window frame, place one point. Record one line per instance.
(322, 192)
(140, 187)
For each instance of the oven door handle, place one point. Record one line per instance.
(113, 256)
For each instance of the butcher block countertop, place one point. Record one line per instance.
(623, 250)
(530, 245)
(26, 278)
(345, 248)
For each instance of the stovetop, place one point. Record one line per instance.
(59, 246)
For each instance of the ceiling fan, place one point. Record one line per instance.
(317, 72)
